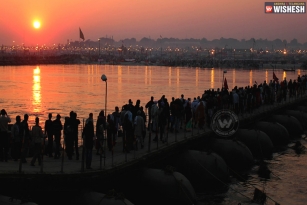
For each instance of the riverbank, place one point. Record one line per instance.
(19, 60)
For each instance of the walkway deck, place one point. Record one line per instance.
(121, 160)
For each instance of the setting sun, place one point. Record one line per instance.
(36, 24)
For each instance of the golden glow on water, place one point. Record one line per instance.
(169, 76)
(266, 76)
(36, 91)
(177, 76)
(146, 75)
(251, 83)
(284, 75)
(62, 88)
(234, 77)
(196, 76)
(212, 78)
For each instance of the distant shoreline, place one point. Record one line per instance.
(34, 60)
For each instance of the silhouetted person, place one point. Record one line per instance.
(139, 128)
(37, 136)
(128, 133)
(117, 121)
(26, 138)
(49, 133)
(88, 135)
(4, 136)
(148, 106)
(17, 135)
(57, 131)
(74, 123)
(111, 131)
(100, 127)
(68, 137)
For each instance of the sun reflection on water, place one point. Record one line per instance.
(36, 90)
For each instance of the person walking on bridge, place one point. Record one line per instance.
(4, 137)
(49, 134)
(37, 136)
(57, 131)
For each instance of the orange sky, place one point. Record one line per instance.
(61, 19)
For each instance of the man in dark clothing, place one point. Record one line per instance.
(88, 135)
(57, 130)
(148, 106)
(17, 135)
(143, 115)
(49, 133)
(4, 136)
(68, 138)
(117, 121)
(74, 123)
(27, 138)
(101, 125)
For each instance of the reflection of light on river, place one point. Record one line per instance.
(196, 76)
(251, 78)
(284, 75)
(119, 81)
(233, 78)
(147, 76)
(36, 90)
(177, 76)
(169, 76)
(212, 79)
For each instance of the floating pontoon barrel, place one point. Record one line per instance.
(292, 124)
(278, 134)
(204, 170)
(258, 142)
(167, 187)
(300, 115)
(236, 154)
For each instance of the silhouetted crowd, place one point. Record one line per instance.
(133, 122)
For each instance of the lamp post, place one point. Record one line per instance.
(104, 78)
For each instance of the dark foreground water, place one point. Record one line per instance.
(38, 90)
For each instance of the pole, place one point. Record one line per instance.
(104, 78)
(223, 81)
(63, 151)
(106, 130)
(83, 149)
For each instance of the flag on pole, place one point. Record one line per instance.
(274, 77)
(81, 34)
(225, 84)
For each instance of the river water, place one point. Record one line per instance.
(59, 89)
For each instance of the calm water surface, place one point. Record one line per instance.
(39, 90)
